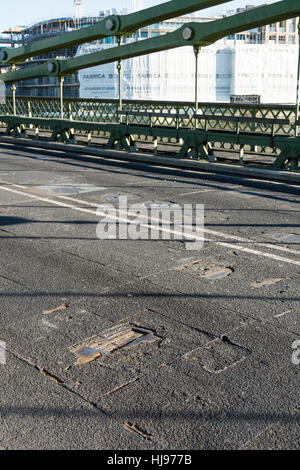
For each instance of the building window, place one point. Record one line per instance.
(292, 25)
(282, 28)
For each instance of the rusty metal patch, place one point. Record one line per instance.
(57, 309)
(116, 338)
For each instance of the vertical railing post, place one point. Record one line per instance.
(120, 68)
(61, 94)
(14, 88)
(197, 53)
(298, 84)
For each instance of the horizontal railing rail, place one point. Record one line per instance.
(97, 110)
(260, 129)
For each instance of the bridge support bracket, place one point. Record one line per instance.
(15, 129)
(64, 135)
(121, 141)
(198, 149)
(289, 158)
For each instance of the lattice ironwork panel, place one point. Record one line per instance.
(97, 110)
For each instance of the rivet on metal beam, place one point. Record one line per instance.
(51, 67)
(110, 25)
(3, 55)
(188, 33)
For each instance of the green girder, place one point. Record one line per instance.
(201, 34)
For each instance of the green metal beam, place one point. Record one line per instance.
(193, 34)
(298, 84)
(113, 25)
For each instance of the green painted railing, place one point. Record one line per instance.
(106, 111)
(262, 129)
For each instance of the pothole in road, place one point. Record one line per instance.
(160, 205)
(287, 237)
(212, 272)
(117, 197)
(119, 337)
(69, 189)
(267, 282)
(216, 274)
(114, 197)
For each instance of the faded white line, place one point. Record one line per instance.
(208, 231)
(198, 192)
(162, 229)
(282, 314)
(260, 253)
(211, 232)
(96, 213)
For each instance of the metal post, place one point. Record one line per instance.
(61, 85)
(298, 84)
(13, 87)
(120, 67)
(197, 53)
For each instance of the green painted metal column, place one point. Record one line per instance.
(298, 83)
(197, 50)
(120, 69)
(61, 94)
(14, 88)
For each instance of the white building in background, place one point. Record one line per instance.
(224, 70)
(246, 64)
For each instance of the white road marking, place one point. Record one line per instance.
(103, 214)
(281, 314)
(162, 229)
(211, 232)
(260, 253)
(197, 192)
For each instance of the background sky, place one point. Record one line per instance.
(25, 12)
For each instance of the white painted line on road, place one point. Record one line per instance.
(281, 314)
(162, 229)
(198, 192)
(247, 240)
(103, 214)
(259, 253)
(211, 232)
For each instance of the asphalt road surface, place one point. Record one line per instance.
(145, 344)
